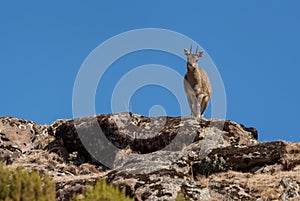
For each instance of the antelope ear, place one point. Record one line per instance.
(186, 52)
(200, 54)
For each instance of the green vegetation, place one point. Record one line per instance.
(29, 185)
(23, 185)
(103, 192)
(209, 166)
(180, 197)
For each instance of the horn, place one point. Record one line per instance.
(197, 50)
(191, 49)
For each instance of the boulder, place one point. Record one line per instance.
(155, 158)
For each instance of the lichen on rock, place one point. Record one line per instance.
(154, 158)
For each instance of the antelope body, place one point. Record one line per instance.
(196, 84)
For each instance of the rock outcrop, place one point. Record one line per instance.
(155, 158)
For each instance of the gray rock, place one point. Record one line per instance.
(291, 189)
(155, 158)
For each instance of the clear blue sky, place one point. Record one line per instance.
(254, 44)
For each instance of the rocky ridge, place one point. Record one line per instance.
(155, 158)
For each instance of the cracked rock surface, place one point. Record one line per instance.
(155, 158)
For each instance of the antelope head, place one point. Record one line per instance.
(192, 59)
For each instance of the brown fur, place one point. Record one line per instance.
(197, 85)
